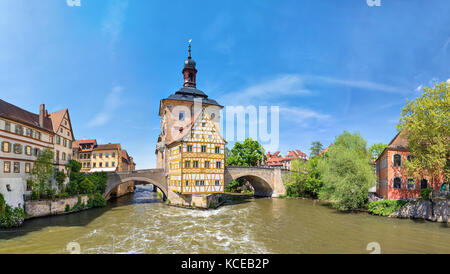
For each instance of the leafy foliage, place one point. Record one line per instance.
(43, 170)
(11, 217)
(347, 174)
(60, 177)
(425, 193)
(306, 180)
(235, 185)
(248, 153)
(425, 122)
(316, 148)
(376, 150)
(86, 186)
(385, 207)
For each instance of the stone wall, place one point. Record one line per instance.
(195, 200)
(436, 211)
(49, 207)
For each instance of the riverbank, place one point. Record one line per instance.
(42, 208)
(437, 210)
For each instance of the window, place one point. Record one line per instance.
(17, 149)
(28, 150)
(218, 164)
(84, 164)
(181, 116)
(33, 134)
(70, 144)
(189, 148)
(16, 167)
(206, 164)
(217, 183)
(65, 142)
(202, 182)
(187, 183)
(8, 126)
(113, 154)
(58, 140)
(397, 183)
(113, 164)
(203, 149)
(63, 156)
(203, 124)
(423, 183)
(100, 155)
(410, 184)
(187, 164)
(36, 152)
(197, 182)
(410, 157)
(107, 155)
(19, 130)
(39, 135)
(27, 167)
(94, 155)
(28, 132)
(179, 149)
(89, 164)
(106, 164)
(95, 165)
(397, 160)
(217, 150)
(100, 164)
(7, 167)
(6, 147)
(195, 164)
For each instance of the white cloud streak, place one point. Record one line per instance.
(114, 20)
(112, 103)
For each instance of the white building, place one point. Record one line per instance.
(22, 135)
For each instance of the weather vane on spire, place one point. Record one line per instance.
(190, 40)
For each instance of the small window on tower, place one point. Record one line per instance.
(190, 77)
(181, 116)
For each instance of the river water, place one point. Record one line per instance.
(140, 223)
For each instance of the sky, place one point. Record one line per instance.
(328, 65)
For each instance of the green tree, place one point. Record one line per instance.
(425, 123)
(316, 148)
(43, 170)
(248, 153)
(306, 178)
(347, 173)
(60, 177)
(86, 186)
(376, 150)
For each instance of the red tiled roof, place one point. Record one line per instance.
(17, 114)
(108, 146)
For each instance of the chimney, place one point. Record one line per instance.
(41, 115)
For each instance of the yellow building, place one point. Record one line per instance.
(190, 147)
(196, 162)
(97, 158)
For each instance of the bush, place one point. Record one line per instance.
(99, 201)
(35, 195)
(62, 195)
(385, 207)
(99, 179)
(234, 186)
(12, 217)
(79, 205)
(51, 193)
(293, 189)
(212, 205)
(2, 204)
(72, 188)
(67, 209)
(86, 186)
(425, 193)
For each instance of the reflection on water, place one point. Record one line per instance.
(140, 223)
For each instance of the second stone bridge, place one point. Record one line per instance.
(267, 182)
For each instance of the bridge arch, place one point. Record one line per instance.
(154, 177)
(260, 185)
(267, 182)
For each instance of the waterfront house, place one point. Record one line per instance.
(22, 135)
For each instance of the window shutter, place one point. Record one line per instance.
(3, 148)
(9, 147)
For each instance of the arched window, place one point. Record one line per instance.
(397, 160)
(423, 183)
(397, 183)
(410, 157)
(411, 184)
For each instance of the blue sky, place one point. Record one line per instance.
(329, 65)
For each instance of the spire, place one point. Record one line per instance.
(190, 40)
(189, 70)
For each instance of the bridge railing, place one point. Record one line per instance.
(260, 167)
(139, 171)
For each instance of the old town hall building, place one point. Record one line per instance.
(190, 147)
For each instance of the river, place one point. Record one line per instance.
(140, 223)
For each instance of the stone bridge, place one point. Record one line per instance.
(144, 176)
(267, 182)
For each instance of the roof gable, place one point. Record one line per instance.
(203, 130)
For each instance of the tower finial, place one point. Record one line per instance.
(190, 40)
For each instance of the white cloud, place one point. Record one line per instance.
(114, 20)
(303, 116)
(448, 80)
(72, 3)
(290, 84)
(419, 88)
(112, 102)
